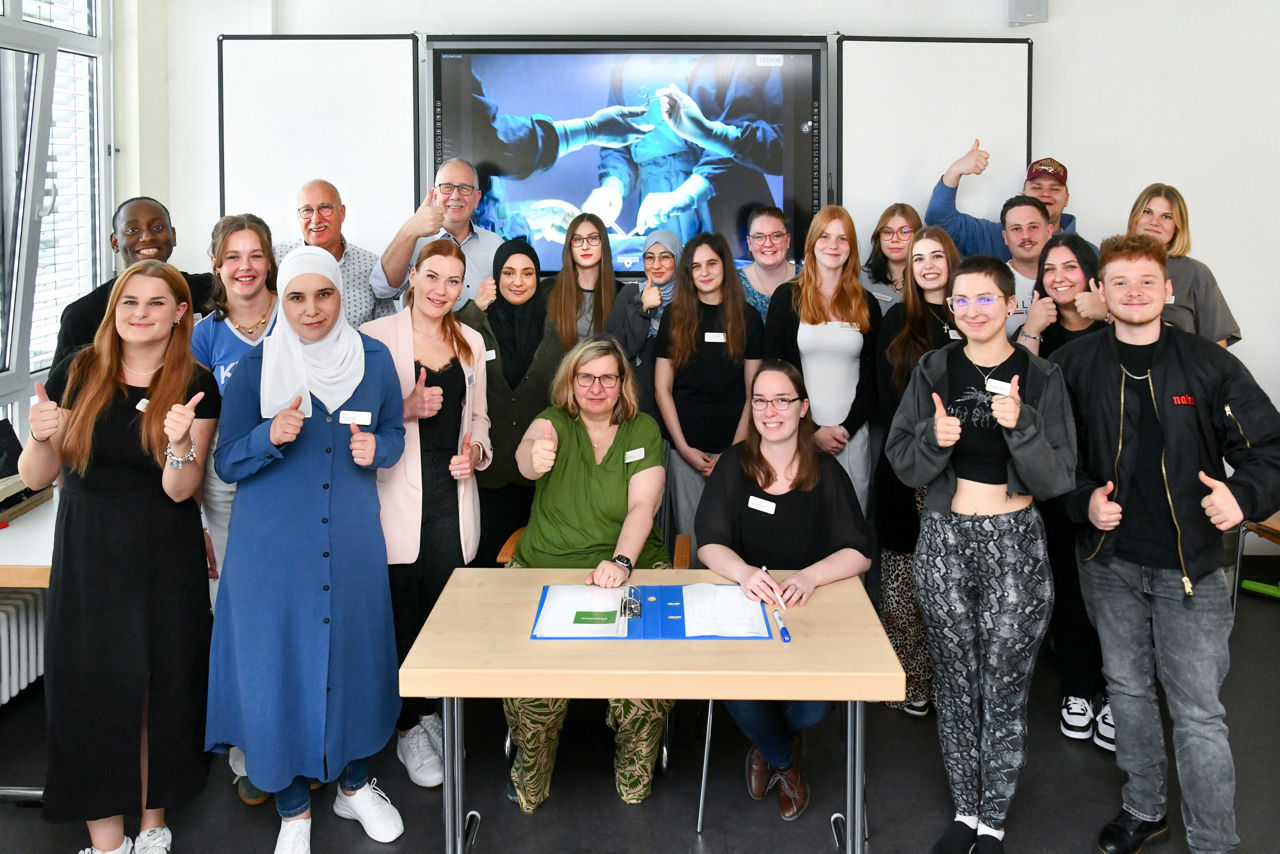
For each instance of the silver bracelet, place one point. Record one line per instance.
(1022, 333)
(176, 462)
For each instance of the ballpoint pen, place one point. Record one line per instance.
(765, 570)
(782, 627)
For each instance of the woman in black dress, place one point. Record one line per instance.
(127, 423)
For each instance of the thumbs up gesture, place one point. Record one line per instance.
(486, 293)
(1005, 408)
(287, 423)
(1091, 303)
(1103, 512)
(177, 421)
(463, 465)
(1220, 505)
(1041, 314)
(423, 401)
(429, 217)
(45, 417)
(972, 162)
(946, 428)
(363, 446)
(544, 449)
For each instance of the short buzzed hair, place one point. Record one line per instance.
(1022, 202)
(115, 217)
(1133, 247)
(985, 265)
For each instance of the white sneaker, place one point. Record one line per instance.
(1076, 719)
(1104, 729)
(125, 848)
(372, 808)
(153, 840)
(419, 756)
(295, 837)
(434, 728)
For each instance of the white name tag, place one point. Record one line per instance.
(633, 455)
(1169, 301)
(998, 387)
(715, 338)
(490, 355)
(953, 334)
(761, 504)
(142, 405)
(352, 416)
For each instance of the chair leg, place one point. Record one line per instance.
(706, 758)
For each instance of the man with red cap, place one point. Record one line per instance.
(1046, 181)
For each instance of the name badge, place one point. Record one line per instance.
(633, 455)
(756, 503)
(953, 334)
(142, 405)
(490, 355)
(1169, 301)
(715, 338)
(352, 416)
(471, 380)
(998, 387)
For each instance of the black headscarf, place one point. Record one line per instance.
(517, 328)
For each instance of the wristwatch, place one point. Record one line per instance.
(624, 562)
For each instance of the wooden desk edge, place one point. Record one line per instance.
(24, 576)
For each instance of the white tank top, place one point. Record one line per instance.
(829, 354)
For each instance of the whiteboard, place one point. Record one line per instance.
(341, 108)
(910, 107)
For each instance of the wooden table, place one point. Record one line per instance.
(476, 644)
(26, 550)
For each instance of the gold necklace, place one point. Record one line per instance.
(140, 373)
(248, 330)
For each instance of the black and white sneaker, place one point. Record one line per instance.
(1076, 718)
(1104, 731)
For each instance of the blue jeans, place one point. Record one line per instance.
(295, 799)
(1148, 627)
(770, 724)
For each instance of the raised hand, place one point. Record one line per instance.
(1220, 505)
(972, 162)
(363, 446)
(463, 465)
(429, 217)
(1104, 513)
(45, 417)
(486, 293)
(177, 421)
(423, 401)
(650, 297)
(1041, 314)
(1006, 407)
(287, 423)
(543, 455)
(1091, 303)
(614, 127)
(946, 428)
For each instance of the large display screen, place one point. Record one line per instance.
(645, 136)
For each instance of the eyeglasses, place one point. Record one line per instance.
(903, 233)
(464, 190)
(663, 258)
(771, 237)
(759, 404)
(325, 210)
(588, 380)
(984, 302)
(592, 239)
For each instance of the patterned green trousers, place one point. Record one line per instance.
(535, 731)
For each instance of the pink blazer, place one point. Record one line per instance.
(400, 487)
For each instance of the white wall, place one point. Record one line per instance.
(1125, 93)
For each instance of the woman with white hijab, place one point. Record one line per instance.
(302, 669)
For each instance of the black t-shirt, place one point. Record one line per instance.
(117, 459)
(710, 389)
(80, 319)
(439, 433)
(1056, 335)
(789, 531)
(1146, 534)
(982, 454)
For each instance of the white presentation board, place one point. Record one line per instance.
(910, 107)
(342, 108)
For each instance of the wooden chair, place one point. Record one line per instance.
(1268, 530)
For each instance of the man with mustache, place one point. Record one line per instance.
(1025, 226)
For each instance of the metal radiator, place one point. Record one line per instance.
(21, 639)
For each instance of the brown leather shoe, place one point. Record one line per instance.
(793, 791)
(759, 776)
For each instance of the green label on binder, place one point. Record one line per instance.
(595, 617)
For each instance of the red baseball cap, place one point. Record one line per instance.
(1050, 167)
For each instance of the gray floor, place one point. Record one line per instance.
(1068, 790)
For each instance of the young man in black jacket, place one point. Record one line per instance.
(1157, 410)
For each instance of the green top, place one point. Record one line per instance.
(579, 506)
(511, 410)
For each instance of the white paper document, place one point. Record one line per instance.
(580, 611)
(722, 610)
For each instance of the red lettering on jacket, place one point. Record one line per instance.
(1184, 400)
